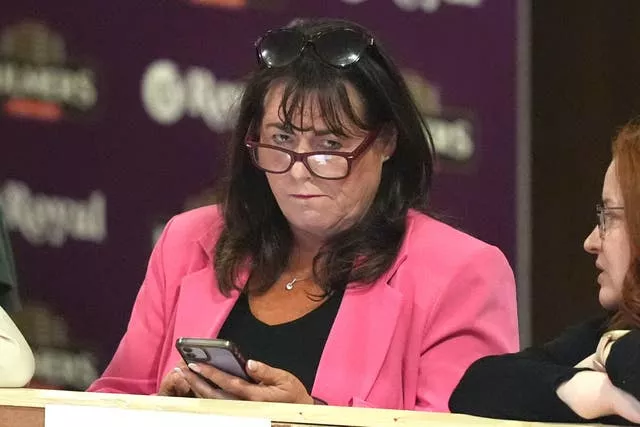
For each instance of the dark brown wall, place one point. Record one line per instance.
(586, 83)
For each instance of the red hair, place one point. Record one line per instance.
(626, 153)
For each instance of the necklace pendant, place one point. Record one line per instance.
(289, 285)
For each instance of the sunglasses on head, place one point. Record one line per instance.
(339, 47)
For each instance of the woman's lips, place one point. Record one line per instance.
(305, 196)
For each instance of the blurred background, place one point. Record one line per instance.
(114, 116)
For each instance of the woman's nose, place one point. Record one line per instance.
(299, 171)
(593, 241)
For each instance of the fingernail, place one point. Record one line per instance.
(252, 365)
(194, 367)
(178, 371)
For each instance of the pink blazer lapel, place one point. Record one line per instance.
(201, 308)
(358, 342)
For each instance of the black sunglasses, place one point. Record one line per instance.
(339, 47)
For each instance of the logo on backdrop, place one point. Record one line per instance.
(452, 130)
(38, 80)
(169, 94)
(44, 219)
(60, 361)
(427, 6)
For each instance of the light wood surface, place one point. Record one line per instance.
(25, 408)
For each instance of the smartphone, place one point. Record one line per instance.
(221, 354)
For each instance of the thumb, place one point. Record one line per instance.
(261, 372)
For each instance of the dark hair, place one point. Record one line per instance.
(626, 153)
(257, 235)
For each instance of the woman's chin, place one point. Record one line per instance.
(314, 226)
(608, 300)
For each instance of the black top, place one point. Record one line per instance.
(294, 346)
(522, 386)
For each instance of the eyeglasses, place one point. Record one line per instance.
(604, 216)
(323, 164)
(339, 47)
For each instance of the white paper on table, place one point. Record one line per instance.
(93, 416)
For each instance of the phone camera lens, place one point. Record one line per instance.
(187, 350)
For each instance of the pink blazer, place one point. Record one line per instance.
(402, 343)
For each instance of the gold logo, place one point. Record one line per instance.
(37, 78)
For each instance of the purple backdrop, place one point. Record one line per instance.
(113, 114)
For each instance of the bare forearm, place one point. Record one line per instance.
(591, 395)
(585, 393)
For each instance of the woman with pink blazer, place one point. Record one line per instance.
(320, 262)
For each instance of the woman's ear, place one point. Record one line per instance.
(390, 141)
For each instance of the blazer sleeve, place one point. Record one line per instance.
(475, 315)
(16, 359)
(133, 368)
(523, 385)
(623, 363)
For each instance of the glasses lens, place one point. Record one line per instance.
(328, 166)
(271, 159)
(341, 47)
(281, 47)
(601, 219)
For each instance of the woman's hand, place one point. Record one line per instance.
(175, 384)
(272, 385)
(591, 394)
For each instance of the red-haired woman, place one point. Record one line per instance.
(592, 371)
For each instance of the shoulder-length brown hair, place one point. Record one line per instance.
(626, 153)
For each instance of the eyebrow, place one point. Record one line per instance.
(290, 128)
